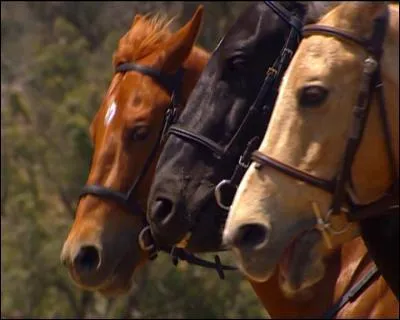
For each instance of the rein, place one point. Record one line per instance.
(353, 293)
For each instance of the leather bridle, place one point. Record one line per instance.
(258, 108)
(172, 83)
(341, 186)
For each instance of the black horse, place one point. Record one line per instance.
(208, 149)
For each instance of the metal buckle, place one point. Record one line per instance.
(370, 65)
(272, 71)
(329, 225)
(243, 164)
(218, 193)
(324, 225)
(288, 51)
(149, 247)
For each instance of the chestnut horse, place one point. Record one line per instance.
(204, 149)
(288, 198)
(155, 73)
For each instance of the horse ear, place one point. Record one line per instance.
(363, 14)
(136, 19)
(371, 8)
(179, 45)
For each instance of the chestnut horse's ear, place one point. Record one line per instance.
(136, 19)
(179, 45)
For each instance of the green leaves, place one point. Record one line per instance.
(56, 68)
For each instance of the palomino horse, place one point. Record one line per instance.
(155, 72)
(282, 213)
(182, 197)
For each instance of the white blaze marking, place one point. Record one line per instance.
(110, 113)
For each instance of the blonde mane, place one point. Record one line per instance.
(147, 34)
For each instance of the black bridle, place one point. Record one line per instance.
(274, 75)
(371, 82)
(172, 83)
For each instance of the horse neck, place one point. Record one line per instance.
(390, 70)
(343, 268)
(391, 98)
(193, 66)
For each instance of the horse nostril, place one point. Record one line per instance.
(87, 259)
(161, 210)
(252, 235)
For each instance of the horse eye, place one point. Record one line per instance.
(236, 63)
(312, 96)
(138, 133)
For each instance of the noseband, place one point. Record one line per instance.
(340, 187)
(258, 108)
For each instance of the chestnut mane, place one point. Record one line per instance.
(147, 34)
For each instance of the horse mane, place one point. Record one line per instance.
(147, 34)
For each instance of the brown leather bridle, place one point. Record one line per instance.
(341, 186)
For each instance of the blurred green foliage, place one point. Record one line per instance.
(55, 69)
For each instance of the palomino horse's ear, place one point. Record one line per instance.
(371, 8)
(363, 13)
(180, 44)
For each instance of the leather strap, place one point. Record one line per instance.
(353, 293)
(171, 82)
(181, 254)
(187, 135)
(316, 29)
(285, 15)
(113, 195)
(263, 159)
